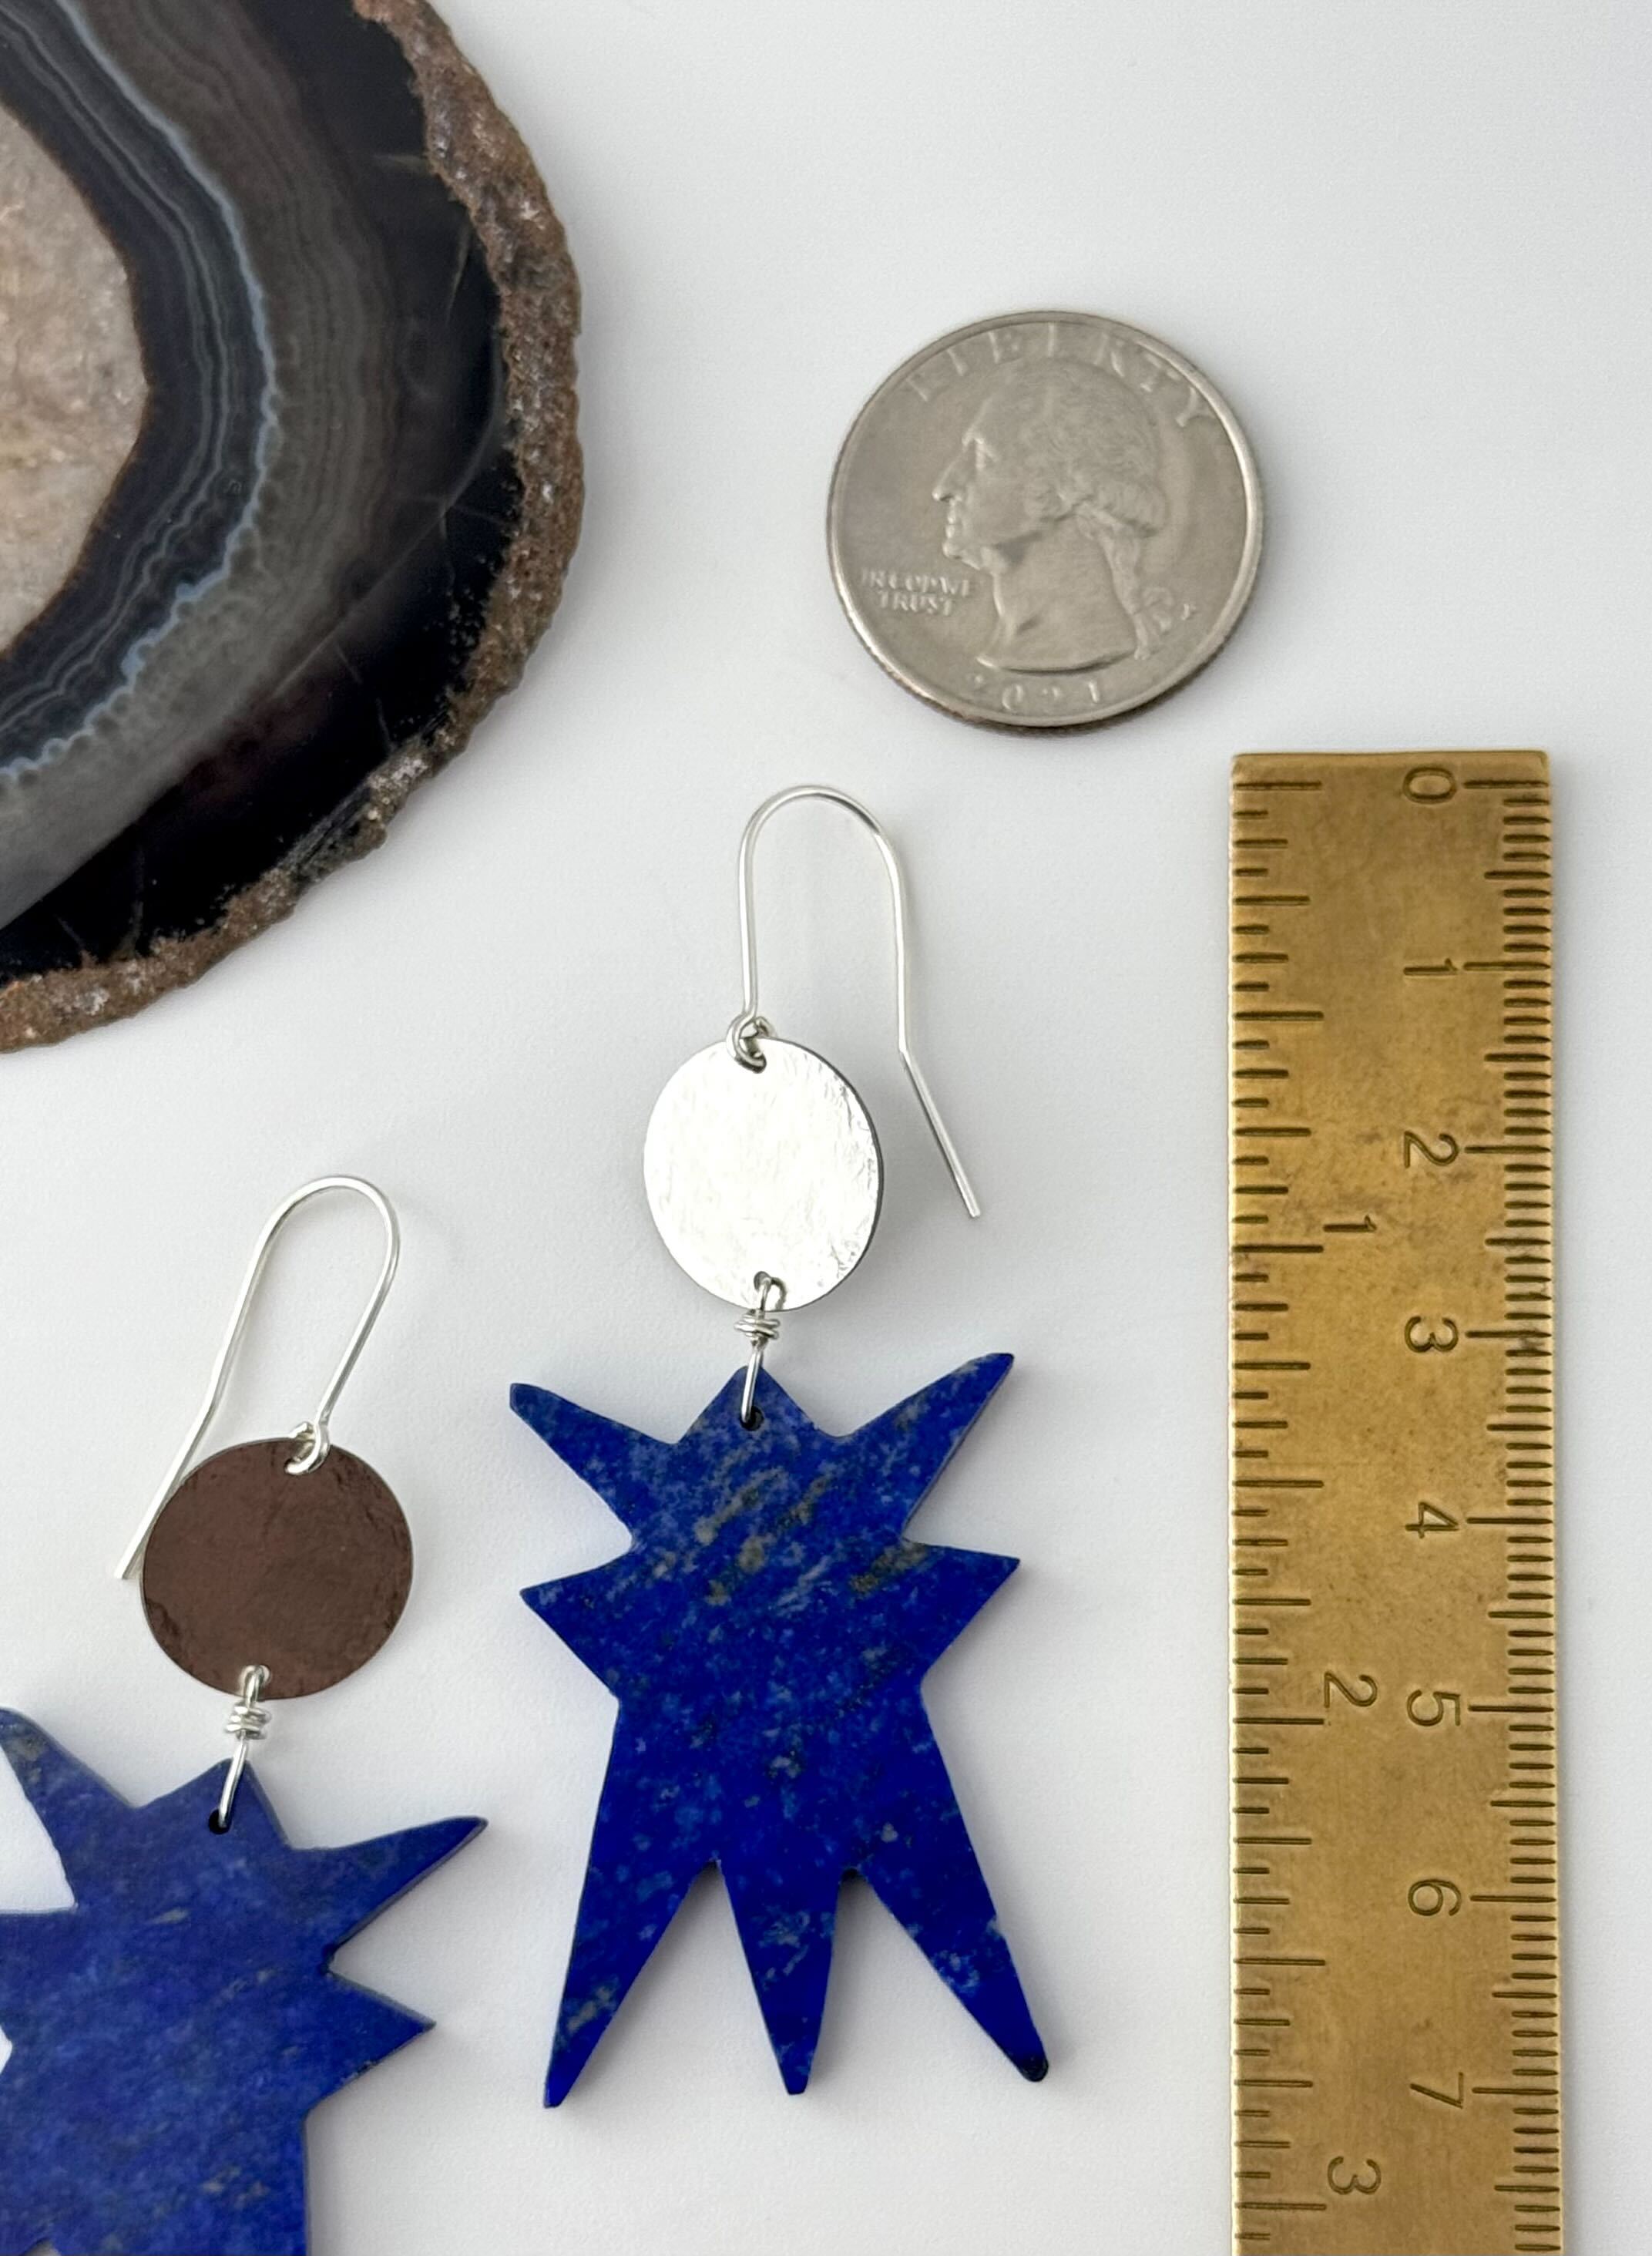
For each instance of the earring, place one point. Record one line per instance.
(173, 2028)
(768, 1631)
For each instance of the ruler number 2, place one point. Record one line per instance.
(1361, 1694)
(1417, 1147)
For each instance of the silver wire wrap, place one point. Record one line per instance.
(759, 1327)
(246, 1723)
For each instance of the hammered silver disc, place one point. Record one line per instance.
(777, 1171)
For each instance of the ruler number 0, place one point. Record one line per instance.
(1429, 787)
(1343, 2180)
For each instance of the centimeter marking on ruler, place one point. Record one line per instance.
(1396, 1992)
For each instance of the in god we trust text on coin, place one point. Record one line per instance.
(1045, 521)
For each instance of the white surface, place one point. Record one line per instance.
(1409, 243)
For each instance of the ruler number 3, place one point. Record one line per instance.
(1343, 2180)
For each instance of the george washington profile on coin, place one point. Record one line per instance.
(1053, 492)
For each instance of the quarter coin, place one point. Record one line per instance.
(1045, 521)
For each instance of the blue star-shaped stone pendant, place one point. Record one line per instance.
(767, 1633)
(173, 2028)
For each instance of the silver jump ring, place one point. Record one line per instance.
(313, 1447)
(745, 1032)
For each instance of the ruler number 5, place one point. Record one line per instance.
(1342, 2180)
(1441, 1702)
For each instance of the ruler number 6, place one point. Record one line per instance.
(1343, 2180)
(1414, 1147)
(1428, 1898)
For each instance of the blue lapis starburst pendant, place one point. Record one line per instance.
(767, 1634)
(171, 2030)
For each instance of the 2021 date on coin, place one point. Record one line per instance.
(1045, 521)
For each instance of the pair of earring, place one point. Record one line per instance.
(766, 1633)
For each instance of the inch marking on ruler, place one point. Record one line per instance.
(1396, 1969)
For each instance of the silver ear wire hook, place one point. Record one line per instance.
(743, 1035)
(312, 1436)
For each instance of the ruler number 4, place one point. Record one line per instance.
(1431, 1519)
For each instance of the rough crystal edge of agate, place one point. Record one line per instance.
(482, 159)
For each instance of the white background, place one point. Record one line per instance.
(1410, 243)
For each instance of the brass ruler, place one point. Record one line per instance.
(1395, 1911)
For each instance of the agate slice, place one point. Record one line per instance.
(289, 476)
